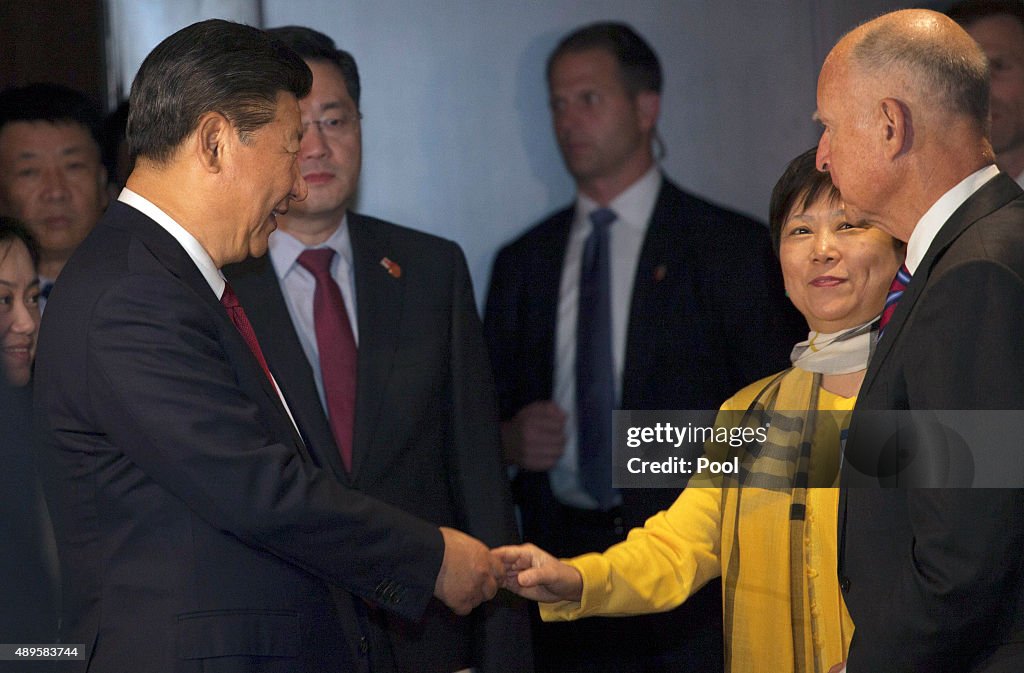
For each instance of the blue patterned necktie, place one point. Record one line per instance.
(595, 369)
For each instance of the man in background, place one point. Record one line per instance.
(998, 26)
(637, 296)
(51, 176)
(371, 331)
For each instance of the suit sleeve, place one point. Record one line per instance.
(481, 482)
(165, 390)
(961, 579)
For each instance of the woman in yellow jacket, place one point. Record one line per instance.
(770, 531)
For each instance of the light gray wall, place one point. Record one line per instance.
(457, 135)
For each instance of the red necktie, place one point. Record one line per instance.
(237, 314)
(899, 284)
(337, 349)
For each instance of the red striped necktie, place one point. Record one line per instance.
(237, 314)
(899, 284)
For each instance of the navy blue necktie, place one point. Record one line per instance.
(595, 369)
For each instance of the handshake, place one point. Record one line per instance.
(471, 574)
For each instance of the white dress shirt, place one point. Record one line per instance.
(633, 209)
(927, 228)
(298, 286)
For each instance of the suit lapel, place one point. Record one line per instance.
(257, 285)
(651, 269)
(174, 258)
(993, 195)
(379, 306)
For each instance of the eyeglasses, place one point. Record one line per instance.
(335, 125)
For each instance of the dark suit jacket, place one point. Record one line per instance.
(426, 435)
(707, 317)
(934, 578)
(28, 592)
(195, 531)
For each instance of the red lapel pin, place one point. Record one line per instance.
(394, 270)
(660, 272)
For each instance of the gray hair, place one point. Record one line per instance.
(953, 72)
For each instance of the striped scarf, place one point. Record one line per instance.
(801, 450)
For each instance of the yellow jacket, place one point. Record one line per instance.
(679, 550)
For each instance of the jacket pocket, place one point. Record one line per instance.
(223, 633)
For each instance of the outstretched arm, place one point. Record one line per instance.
(533, 573)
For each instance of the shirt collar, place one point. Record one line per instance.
(285, 248)
(633, 206)
(193, 247)
(927, 228)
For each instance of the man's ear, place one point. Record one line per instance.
(648, 107)
(211, 140)
(898, 127)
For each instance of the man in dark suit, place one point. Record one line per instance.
(424, 436)
(934, 578)
(195, 531)
(696, 312)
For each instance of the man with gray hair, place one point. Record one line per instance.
(933, 578)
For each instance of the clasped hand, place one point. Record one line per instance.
(532, 573)
(470, 574)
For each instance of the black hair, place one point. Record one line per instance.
(213, 65)
(315, 46)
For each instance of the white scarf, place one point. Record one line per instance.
(838, 353)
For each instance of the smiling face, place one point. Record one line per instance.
(330, 156)
(51, 178)
(19, 311)
(603, 130)
(837, 274)
(262, 179)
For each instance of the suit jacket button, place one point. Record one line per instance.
(844, 585)
(364, 646)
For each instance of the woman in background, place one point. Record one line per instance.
(766, 531)
(28, 560)
(19, 301)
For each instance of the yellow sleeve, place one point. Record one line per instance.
(656, 568)
(660, 565)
